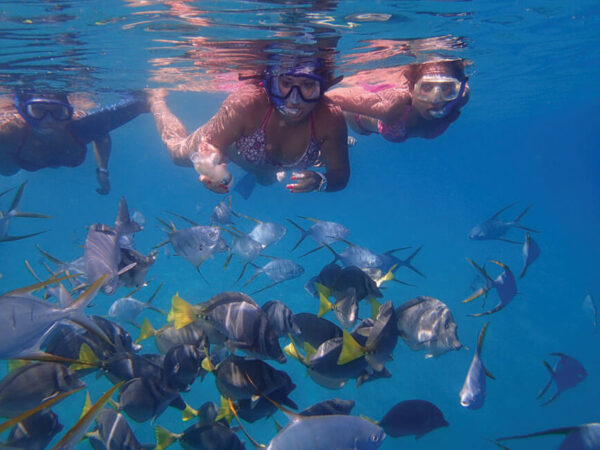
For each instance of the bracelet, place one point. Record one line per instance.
(100, 170)
(323, 184)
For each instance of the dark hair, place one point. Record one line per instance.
(452, 67)
(23, 96)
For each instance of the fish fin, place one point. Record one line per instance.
(510, 241)
(325, 304)
(202, 275)
(15, 364)
(188, 413)
(480, 340)
(480, 269)
(38, 286)
(502, 210)
(302, 236)
(525, 211)
(227, 261)
(525, 267)
(351, 350)
(309, 350)
(225, 412)
(15, 420)
(145, 331)
(161, 244)
(185, 219)
(87, 358)
(375, 305)
(478, 293)
(241, 274)
(164, 438)
(312, 251)
(258, 272)
(564, 430)
(17, 198)
(87, 405)
(207, 364)
(545, 388)
(292, 351)
(182, 313)
(278, 427)
(87, 417)
(488, 374)
(250, 438)
(487, 313)
(266, 287)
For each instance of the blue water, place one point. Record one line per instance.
(528, 134)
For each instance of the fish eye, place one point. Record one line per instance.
(374, 437)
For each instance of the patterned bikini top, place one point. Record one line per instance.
(253, 148)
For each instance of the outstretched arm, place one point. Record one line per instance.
(102, 153)
(385, 105)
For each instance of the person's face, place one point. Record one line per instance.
(432, 93)
(48, 113)
(300, 95)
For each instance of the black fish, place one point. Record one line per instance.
(328, 407)
(143, 399)
(412, 417)
(315, 330)
(112, 432)
(182, 365)
(35, 432)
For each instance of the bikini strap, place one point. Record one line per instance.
(265, 121)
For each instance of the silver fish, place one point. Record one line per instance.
(278, 270)
(531, 252)
(425, 323)
(495, 228)
(589, 308)
(322, 232)
(505, 285)
(472, 394)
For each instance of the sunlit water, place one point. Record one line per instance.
(528, 134)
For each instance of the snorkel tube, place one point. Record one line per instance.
(452, 103)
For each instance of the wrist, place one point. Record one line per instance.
(102, 170)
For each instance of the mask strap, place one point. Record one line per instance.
(446, 109)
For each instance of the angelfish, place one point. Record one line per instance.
(472, 394)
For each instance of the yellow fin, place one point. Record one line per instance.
(309, 350)
(146, 331)
(225, 411)
(351, 350)
(164, 438)
(14, 364)
(189, 413)
(368, 419)
(86, 355)
(87, 405)
(292, 351)
(375, 305)
(208, 365)
(182, 313)
(325, 304)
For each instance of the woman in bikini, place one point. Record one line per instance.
(41, 130)
(425, 99)
(282, 124)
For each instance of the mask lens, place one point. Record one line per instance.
(59, 111)
(308, 88)
(435, 89)
(36, 111)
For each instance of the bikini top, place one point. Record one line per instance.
(253, 148)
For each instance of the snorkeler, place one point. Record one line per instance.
(422, 102)
(45, 130)
(282, 124)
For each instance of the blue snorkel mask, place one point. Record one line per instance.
(35, 108)
(451, 104)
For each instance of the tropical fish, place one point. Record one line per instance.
(201, 435)
(589, 308)
(412, 417)
(326, 277)
(169, 336)
(566, 373)
(472, 394)
(112, 432)
(322, 232)
(392, 262)
(278, 270)
(362, 257)
(579, 437)
(495, 228)
(143, 399)
(329, 407)
(35, 432)
(267, 233)
(222, 213)
(26, 321)
(531, 252)
(505, 285)
(28, 386)
(315, 330)
(234, 319)
(134, 266)
(12, 212)
(281, 318)
(127, 309)
(425, 323)
(246, 248)
(182, 365)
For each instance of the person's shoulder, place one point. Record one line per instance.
(248, 98)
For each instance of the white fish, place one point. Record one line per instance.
(589, 308)
(472, 394)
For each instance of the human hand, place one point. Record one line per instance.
(102, 178)
(306, 181)
(155, 96)
(213, 175)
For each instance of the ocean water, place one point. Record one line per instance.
(529, 134)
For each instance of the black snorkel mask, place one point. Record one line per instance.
(34, 108)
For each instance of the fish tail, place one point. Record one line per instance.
(146, 331)
(302, 231)
(351, 350)
(325, 304)
(292, 351)
(545, 388)
(189, 413)
(225, 411)
(525, 211)
(87, 358)
(181, 313)
(164, 438)
(523, 271)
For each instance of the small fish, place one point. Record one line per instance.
(566, 374)
(472, 394)
(267, 233)
(12, 212)
(246, 248)
(412, 417)
(505, 285)
(222, 213)
(362, 257)
(322, 232)
(28, 386)
(425, 323)
(315, 330)
(127, 309)
(589, 308)
(495, 228)
(329, 407)
(579, 437)
(35, 432)
(531, 252)
(281, 318)
(213, 435)
(278, 270)
(112, 432)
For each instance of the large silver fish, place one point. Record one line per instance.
(579, 437)
(278, 270)
(425, 323)
(25, 320)
(495, 228)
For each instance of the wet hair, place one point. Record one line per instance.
(454, 68)
(23, 96)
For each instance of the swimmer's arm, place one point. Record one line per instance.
(386, 105)
(334, 153)
(102, 153)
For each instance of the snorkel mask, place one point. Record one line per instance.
(301, 83)
(35, 108)
(436, 88)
